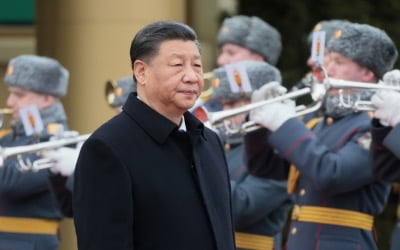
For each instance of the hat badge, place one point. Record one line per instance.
(238, 78)
(239, 82)
(118, 91)
(338, 34)
(317, 27)
(216, 82)
(225, 29)
(10, 70)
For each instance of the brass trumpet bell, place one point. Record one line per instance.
(3, 112)
(207, 92)
(109, 92)
(358, 104)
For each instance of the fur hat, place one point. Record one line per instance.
(329, 26)
(368, 46)
(259, 73)
(253, 34)
(121, 89)
(38, 74)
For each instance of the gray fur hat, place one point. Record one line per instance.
(368, 46)
(121, 90)
(38, 74)
(259, 74)
(253, 34)
(329, 26)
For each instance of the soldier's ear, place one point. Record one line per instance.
(369, 76)
(47, 100)
(139, 70)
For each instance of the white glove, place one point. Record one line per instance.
(64, 159)
(391, 78)
(268, 91)
(387, 106)
(273, 115)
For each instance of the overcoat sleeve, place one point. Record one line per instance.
(102, 201)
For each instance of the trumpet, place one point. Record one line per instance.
(357, 104)
(207, 92)
(9, 152)
(3, 112)
(217, 119)
(109, 88)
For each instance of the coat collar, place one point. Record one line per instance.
(157, 126)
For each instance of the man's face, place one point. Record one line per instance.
(19, 98)
(343, 68)
(173, 79)
(231, 53)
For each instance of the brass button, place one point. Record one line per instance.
(294, 230)
(302, 192)
(329, 120)
(295, 212)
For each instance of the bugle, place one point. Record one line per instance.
(4, 111)
(8, 152)
(215, 119)
(356, 104)
(109, 92)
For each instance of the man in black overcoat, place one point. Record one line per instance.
(153, 177)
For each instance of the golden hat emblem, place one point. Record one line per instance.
(225, 29)
(338, 34)
(317, 27)
(237, 77)
(118, 91)
(10, 70)
(216, 82)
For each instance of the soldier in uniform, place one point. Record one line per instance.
(29, 208)
(385, 152)
(260, 205)
(245, 38)
(248, 38)
(329, 27)
(242, 38)
(335, 192)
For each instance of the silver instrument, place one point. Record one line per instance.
(18, 151)
(344, 88)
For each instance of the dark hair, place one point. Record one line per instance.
(147, 41)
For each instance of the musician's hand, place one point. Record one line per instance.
(387, 106)
(272, 116)
(391, 78)
(268, 91)
(64, 160)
